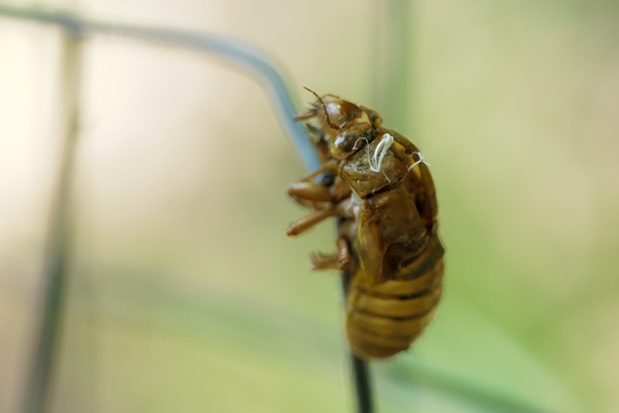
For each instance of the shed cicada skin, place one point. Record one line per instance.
(374, 181)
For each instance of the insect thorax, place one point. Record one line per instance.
(357, 172)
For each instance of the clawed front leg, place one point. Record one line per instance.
(310, 193)
(310, 220)
(327, 200)
(330, 166)
(339, 261)
(313, 195)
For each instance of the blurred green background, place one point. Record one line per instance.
(186, 296)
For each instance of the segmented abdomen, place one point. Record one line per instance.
(386, 318)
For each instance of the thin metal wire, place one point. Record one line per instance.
(360, 370)
(240, 54)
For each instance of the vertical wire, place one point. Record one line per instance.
(54, 272)
(359, 368)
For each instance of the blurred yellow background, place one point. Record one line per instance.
(186, 296)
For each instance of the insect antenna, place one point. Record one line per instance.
(324, 107)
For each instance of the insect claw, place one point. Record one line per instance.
(322, 261)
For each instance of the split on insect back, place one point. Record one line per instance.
(387, 239)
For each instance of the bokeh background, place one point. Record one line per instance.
(186, 296)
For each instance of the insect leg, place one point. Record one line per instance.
(338, 261)
(343, 252)
(310, 220)
(322, 261)
(308, 193)
(326, 167)
(304, 116)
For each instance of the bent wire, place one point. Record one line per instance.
(241, 54)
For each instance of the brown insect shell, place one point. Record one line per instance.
(389, 218)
